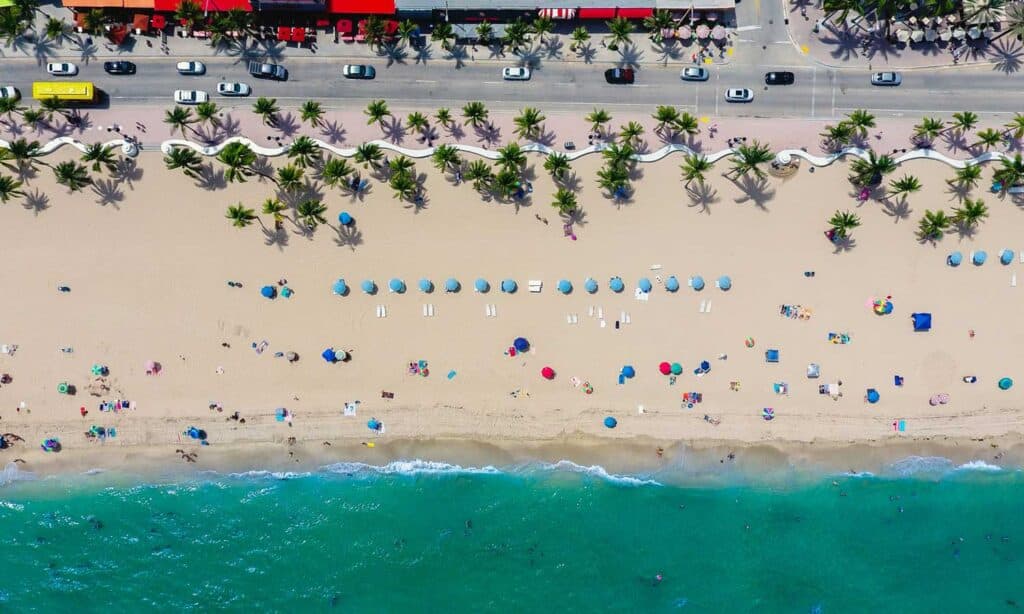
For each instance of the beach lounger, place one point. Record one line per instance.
(536, 285)
(600, 313)
(655, 267)
(431, 306)
(703, 305)
(708, 308)
(424, 311)
(1013, 280)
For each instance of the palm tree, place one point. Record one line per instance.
(184, 158)
(618, 155)
(444, 34)
(444, 116)
(511, 157)
(289, 177)
(529, 123)
(860, 120)
(484, 33)
(842, 222)
(239, 160)
(475, 113)
(542, 26)
(402, 165)
(207, 112)
(967, 176)
(666, 116)
(100, 156)
(313, 112)
(564, 201)
(983, 11)
(613, 178)
(189, 13)
(963, 121)
(749, 159)
(971, 213)
(517, 34)
(53, 105)
(580, 35)
(25, 154)
(907, 184)
(240, 215)
(403, 185)
(311, 212)
(336, 171)
(871, 171)
(839, 10)
(267, 109)
(305, 151)
(598, 118)
(374, 30)
(838, 135)
(928, 130)
(687, 123)
(56, 30)
(631, 132)
(1013, 22)
(1010, 173)
(406, 29)
(418, 121)
(933, 225)
(446, 156)
(619, 30)
(33, 117)
(1015, 126)
(376, 111)
(180, 119)
(694, 166)
(72, 175)
(8, 107)
(368, 154)
(558, 165)
(658, 21)
(989, 137)
(505, 182)
(9, 188)
(274, 208)
(94, 21)
(479, 172)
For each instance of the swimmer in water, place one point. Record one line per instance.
(657, 579)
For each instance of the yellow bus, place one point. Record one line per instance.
(68, 91)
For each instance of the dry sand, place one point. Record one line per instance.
(148, 275)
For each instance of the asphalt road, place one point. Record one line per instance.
(818, 92)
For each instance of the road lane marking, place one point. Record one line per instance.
(423, 81)
(814, 81)
(832, 78)
(748, 28)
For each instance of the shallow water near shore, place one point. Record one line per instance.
(926, 536)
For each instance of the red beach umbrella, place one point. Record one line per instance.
(665, 368)
(548, 373)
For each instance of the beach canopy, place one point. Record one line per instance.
(1005, 383)
(373, 424)
(644, 284)
(616, 284)
(396, 285)
(705, 366)
(724, 282)
(676, 368)
(672, 284)
(369, 286)
(547, 373)
(481, 285)
(268, 292)
(922, 321)
(345, 219)
(452, 285)
(629, 372)
(872, 395)
(610, 422)
(340, 287)
(1006, 256)
(426, 285)
(329, 355)
(565, 286)
(697, 282)
(979, 258)
(509, 286)
(590, 285)
(665, 368)
(521, 344)
(954, 259)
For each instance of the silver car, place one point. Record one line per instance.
(886, 78)
(62, 69)
(190, 96)
(515, 73)
(191, 68)
(694, 73)
(739, 94)
(225, 88)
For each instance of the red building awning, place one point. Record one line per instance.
(165, 5)
(631, 13)
(557, 13)
(362, 7)
(597, 13)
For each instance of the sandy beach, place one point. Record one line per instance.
(148, 275)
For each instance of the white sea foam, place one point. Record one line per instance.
(978, 465)
(277, 475)
(408, 467)
(937, 465)
(597, 471)
(11, 474)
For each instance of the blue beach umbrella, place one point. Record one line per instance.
(1006, 256)
(268, 291)
(565, 286)
(644, 284)
(672, 284)
(628, 372)
(396, 285)
(340, 287)
(979, 258)
(329, 355)
(373, 424)
(616, 284)
(705, 366)
(872, 396)
(954, 259)
(426, 285)
(590, 285)
(452, 285)
(1005, 383)
(610, 422)
(697, 282)
(481, 285)
(521, 344)
(345, 219)
(724, 283)
(509, 286)
(369, 286)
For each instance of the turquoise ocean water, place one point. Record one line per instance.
(427, 537)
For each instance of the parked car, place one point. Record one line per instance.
(886, 78)
(779, 78)
(739, 94)
(120, 67)
(190, 96)
(358, 71)
(516, 73)
(226, 88)
(62, 69)
(191, 67)
(694, 73)
(9, 91)
(264, 70)
(619, 75)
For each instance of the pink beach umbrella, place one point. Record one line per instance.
(718, 33)
(547, 373)
(703, 31)
(152, 367)
(665, 368)
(685, 32)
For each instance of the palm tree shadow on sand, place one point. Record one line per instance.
(843, 244)
(755, 190)
(108, 192)
(275, 236)
(211, 178)
(702, 195)
(898, 210)
(36, 201)
(348, 236)
(393, 130)
(333, 132)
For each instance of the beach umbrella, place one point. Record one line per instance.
(644, 284)
(872, 395)
(426, 285)
(521, 344)
(703, 31)
(396, 285)
(724, 282)
(917, 36)
(672, 284)
(291, 356)
(481, 285)
(954, 259)
(979, 258)
(369, 286)
(590, 285)
(98, 369)
(903, 35)
(268, 291)
(340, 287)
(665, 368)
(616, 284)
(1006, 256)
(974, 32)
(628, 372)
(930, 35)
(718, 33)
(705, 366)
(329, 355)
(345, 219)
(684, 32)
(959, 34)
(509, 286)
(452, 285)
(676, 368)
(697, 282)
(1005, 383)
(547, 373)
(565, 286)
(945, 35)
(373, 424)
(152, 367)
(610, 422)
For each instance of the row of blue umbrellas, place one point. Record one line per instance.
(509, 286)
(979, 257)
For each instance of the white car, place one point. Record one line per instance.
(738, 94)
(694, 73)
(9, 91)
(190, 96)
(62, 69)
(886, 78)
(225, 88)
(191, 68)
(516, 73)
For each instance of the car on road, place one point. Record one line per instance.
(265, 70)
(619, 75)
(190, 96)
(9, 91)
(358, 71)
(886, 78)
(120, 67)
(779, 78)
(191, 67)
(226, 88)
(516, 73)
(739, 94)
(62, 69)
(694, 73)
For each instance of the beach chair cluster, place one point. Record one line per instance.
(419, 368)
(839, 338)
(691, 398)
(535, 285)
(705, 307)
(490, 311)
(980, 257)
(428, 310)
(115, 405)
(795, 312)
(572, 318)
(382, 311)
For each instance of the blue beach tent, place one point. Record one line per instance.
(922, 321)
(979, 258)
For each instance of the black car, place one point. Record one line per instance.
(619, 75)
(119, 68)
(779, 78)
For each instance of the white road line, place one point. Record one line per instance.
(747, 28)
(878, 110)
(814, 89)
(493, 82)
(424, 81)
(832, 78)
